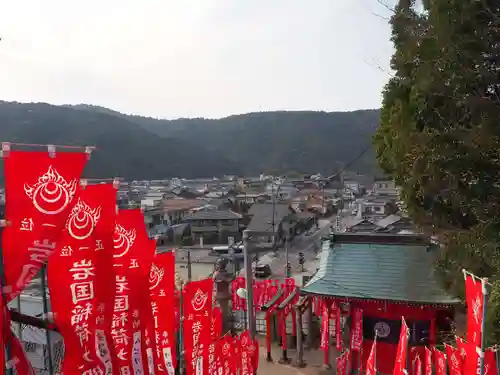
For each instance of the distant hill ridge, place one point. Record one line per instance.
(136, 147)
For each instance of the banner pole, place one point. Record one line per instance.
(45, 312)
(484, 282)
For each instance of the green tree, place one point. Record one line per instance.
(439, 138)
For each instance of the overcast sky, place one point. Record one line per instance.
(195, 58)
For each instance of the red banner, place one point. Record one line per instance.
(197, 308)
(418, 366)
(428, 361)
(455, 363)
(357, 332)
(81, 281)
(132, 261)
(249, 354)
(402, 351)
(39, 194)
(227, 355)
(338, 328)
(474, 298)
(215, 332)
(462, 348)
(342, 363)
(371, 364)
(162, 286)
(17, 360)
(238, 303)
(471, 365)
(440, 362)
(490, 362)
(325, 333)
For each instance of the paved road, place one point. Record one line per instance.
(309, 245)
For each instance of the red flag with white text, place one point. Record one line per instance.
(39, 194)
(474, 298)
(227, 355)
(439, 362)
(402, 351)
(249, 354)
(338, 328)
(357, 332)
(132, 254)
(81, 281)
(455, 363)
(428, 361)
(162, 287)
(197, 309)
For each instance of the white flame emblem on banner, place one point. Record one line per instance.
(155, 276)
(476, 306)
(51, 194)
(82, 220)
(199, 300)
(244, 341)
(122, 240)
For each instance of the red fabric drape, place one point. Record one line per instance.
(39, 194)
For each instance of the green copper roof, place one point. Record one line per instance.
(378, 271)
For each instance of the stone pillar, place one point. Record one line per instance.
(222, 280)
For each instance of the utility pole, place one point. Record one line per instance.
(189, 265)
(273, 223)
(287, 264)
(249, 283)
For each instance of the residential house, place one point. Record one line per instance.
(270, 218)
(372, 206)
(356, 224)
(215, 226)
(282, 191)
(396, 224)
(385, 186)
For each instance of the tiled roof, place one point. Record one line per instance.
(378, 271)
(215, 215)
(179, 204)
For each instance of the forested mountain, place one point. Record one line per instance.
(300, 141)
(123, 148)
(136, 147)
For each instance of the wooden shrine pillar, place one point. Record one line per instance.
(268, 308)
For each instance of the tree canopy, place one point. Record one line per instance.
(439, 138)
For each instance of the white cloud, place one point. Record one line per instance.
(173, 58)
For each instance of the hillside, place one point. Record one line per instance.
(124, 148)
(281, 142)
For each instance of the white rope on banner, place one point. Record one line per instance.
(484, 280)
